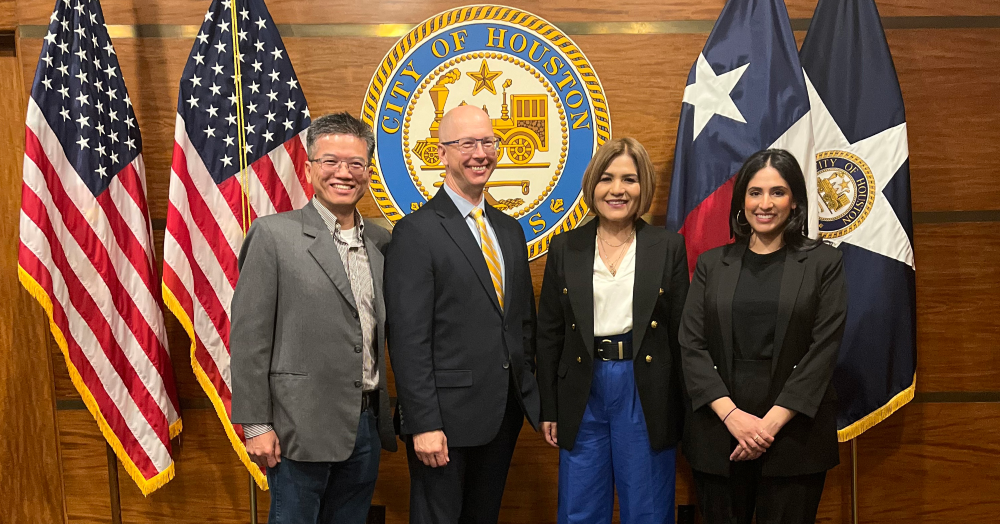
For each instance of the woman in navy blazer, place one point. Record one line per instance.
(759, 340)
(608, 357)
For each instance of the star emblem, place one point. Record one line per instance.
(709, 94)
(885, 152)
(484, 79)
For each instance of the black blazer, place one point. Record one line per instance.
(452, 348)
(566, 330)
(812, 306)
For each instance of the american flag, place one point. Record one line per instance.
(211, 201)
(85, 249)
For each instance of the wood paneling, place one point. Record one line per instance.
(404, 11)
(29, 454)
(958, 321)
(950, 85)
(8, 15)
(933, 464)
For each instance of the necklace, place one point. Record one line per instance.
(613, 267)
(609, 244)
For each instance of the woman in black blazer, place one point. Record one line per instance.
(608, 356)
(759, 339)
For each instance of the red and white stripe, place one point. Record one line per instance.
(93, 259)
(200, 249)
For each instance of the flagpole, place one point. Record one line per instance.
(253, 500)
(854, 478)
(113, 488)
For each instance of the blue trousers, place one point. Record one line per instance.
(612, 451)
(328, 492)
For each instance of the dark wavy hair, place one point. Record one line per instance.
(796, 228)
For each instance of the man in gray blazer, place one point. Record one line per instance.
(307, 339)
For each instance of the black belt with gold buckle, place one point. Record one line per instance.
(614, 347)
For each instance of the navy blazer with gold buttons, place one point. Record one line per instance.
(565, 336)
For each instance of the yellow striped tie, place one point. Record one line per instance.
(490, 254)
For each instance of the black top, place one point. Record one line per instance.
(755, 305)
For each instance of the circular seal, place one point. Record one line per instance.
(546, 103)
(846, 192)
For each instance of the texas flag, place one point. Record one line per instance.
(746, 92)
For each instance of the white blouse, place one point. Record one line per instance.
(613, 294)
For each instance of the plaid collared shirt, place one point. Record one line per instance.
(353, 254)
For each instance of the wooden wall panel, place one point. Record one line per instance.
(404, 11)
(30, 473)
(958, 321)
(949, 87)
(8, 15)
(933, 464)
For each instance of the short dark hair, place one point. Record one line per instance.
(339, 124)
(796, 229)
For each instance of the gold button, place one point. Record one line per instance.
(573, 327)
(565, 291)
(649, 358)
(578, 359)
(661, 290)
(653, 324)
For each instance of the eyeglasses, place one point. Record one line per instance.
(354, 167)
(468, 145)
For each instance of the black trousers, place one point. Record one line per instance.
(776, 500)
(469, 489)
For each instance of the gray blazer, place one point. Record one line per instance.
(293, 336)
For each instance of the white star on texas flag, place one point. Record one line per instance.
(709, 94)
(880, 232)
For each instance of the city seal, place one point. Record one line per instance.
(846, 192)
(548, 110)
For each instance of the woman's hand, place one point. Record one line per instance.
(749, 431)
(549, 432)
(776, 418)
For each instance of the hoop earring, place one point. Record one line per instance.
(745, 221)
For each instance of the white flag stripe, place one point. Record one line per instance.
(286, 172)
(95, 286)
(204, 329)
(81, 332)
(130, 214)
(203, 254)
(259, 199)
(124, 273)
(798, 140)
(216, 203)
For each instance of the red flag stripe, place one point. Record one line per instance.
(84, 304)
(269, 180)
(108, 409)
(297, 151)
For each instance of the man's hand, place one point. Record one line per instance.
(549, 432)
(431, 448)
(264, 450)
